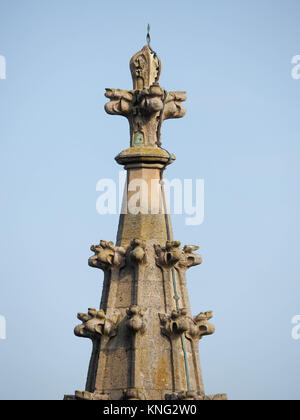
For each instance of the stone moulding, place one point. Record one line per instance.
(146, 155)
(91, 396)
(216, 397)
(192, 395)
(183, 395)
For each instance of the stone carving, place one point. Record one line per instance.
(177, 323)
(171, 254)
(189, 258)
(137, 251)
(135, 321)
(173, 106)
(90, 396)
(180, 323)
(107, 256)
(120, 102)
(145, 68)
(96, 324)
(201, 326)
(147, 105)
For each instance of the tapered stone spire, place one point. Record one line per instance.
(145, 339)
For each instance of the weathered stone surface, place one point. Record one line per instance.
(148, 104)
(145, 339)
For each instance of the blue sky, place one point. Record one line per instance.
(240, 134)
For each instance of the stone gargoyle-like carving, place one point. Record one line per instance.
(107, 255)
(96, 324)
(171, 254)
(135, 319)
(168, 256)
(189, 258)
(137, 251)
(201, 326)
(176, 324)
(90, 396)
(180, 323)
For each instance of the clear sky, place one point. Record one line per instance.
(240, 134)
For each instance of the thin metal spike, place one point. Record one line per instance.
(148, 35)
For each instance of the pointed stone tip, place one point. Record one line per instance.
(145, 67)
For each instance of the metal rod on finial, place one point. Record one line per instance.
(148, 35)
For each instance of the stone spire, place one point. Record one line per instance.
(145, 339)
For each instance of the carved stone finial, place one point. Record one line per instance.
(146, 106)
(145, 68)
(144, 340)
